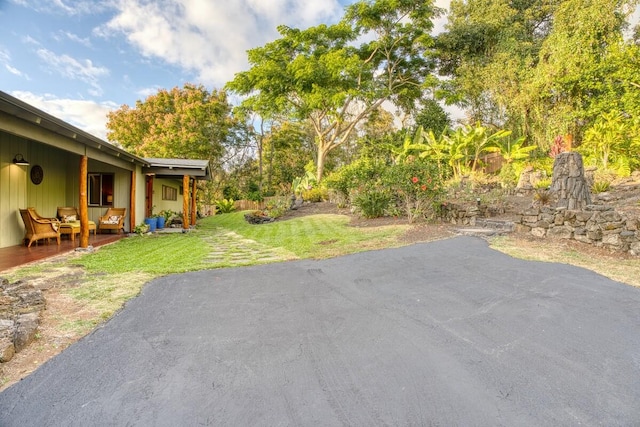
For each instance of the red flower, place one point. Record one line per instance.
(415, 179)
(423, 187)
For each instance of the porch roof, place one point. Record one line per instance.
(36, 117)
(171, 168)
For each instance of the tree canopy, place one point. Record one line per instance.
(323, 76)
(188, 122)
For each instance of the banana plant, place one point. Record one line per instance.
(412, 145)
(512, 151)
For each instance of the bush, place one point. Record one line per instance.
(418, 186)
(543, 184)
(600, 187)
(277, 207)
(372, 202)
(356, 175)
(316, 194)
(225, 205)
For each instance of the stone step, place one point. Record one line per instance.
(496, 224)
(487, 227)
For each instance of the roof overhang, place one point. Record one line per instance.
(19, 109)
(174, 168)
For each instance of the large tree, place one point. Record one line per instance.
(188, 122)
(534, 66)
(334, 76)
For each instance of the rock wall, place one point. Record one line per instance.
(468, 214)
(597, 225)
(20, 307)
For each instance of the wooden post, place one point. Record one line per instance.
(194, 212)
(83, 204)
(132, 201)
(185, 202)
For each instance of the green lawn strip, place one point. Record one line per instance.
(314, 236)
(155, 254)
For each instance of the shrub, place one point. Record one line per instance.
(316, 194)
(362, 172)
(600, 187)
(542, 197)
(372, 202)
(543, 184)
(277, 207)
(225, 205)
(417, 185)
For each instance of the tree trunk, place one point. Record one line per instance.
(322, 156)
(569, 182)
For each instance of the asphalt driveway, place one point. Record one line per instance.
(445, 333)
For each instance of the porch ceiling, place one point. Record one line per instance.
(36, 117)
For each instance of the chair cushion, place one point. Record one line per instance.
(114, 219)
(69, 218)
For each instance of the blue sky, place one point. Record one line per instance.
(79, 59)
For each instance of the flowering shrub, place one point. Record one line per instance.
(417, 185)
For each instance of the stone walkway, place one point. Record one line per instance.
(229, 249)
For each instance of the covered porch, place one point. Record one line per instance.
(46, 163)
(17, 256)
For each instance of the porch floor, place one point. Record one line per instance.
(15, 256)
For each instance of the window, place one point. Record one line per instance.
(169, 193)
(100, 189)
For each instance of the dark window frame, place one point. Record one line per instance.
(169, 193)
(100, 189)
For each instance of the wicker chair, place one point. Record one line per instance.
(38, 228)
(70, 222)
(112, 220)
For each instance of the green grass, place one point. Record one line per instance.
(314, 236)
(153, 254)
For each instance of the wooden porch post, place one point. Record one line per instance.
(185, 202)
(132, 202)
(194, 212)
(83, 204)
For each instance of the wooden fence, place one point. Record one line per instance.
(242, 205)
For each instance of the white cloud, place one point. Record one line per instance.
(75, 38)
(148, 91)
(71, 68)
(16, 72)
(210, 38)
(87, 115)
(69, 7)
(5, 57)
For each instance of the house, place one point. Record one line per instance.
(46, 163)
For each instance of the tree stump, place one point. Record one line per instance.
(569, 181)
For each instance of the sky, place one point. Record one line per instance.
(79, 59)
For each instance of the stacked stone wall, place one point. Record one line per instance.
(596, 225)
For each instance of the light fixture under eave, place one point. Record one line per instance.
(19, 160)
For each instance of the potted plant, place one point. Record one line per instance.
(164, 218)
(160, 219)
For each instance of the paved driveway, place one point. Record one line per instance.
(445, 333)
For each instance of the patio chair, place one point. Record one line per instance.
(38, 228)
(112, 220)
(70, 222)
